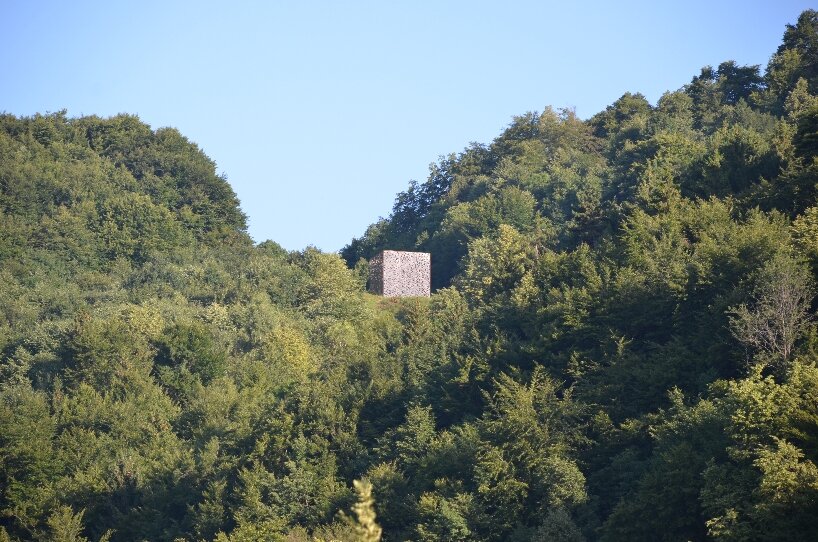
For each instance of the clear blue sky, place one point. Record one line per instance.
(320, 112)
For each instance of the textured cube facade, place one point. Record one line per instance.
(394, 273)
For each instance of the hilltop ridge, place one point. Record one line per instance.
(621, 344)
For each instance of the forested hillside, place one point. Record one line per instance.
(621, 346)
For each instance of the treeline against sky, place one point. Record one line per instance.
(621, 345)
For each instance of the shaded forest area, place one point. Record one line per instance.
(621, 345)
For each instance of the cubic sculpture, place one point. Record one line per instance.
(395, 273)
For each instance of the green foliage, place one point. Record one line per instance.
(443, 519)
(368, 530)
(795, 59)
(621, 344)
(191, 347)
(557, 526)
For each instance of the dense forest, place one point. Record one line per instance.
(621, 344)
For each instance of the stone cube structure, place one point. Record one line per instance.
(395, 273)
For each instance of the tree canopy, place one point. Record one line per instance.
(621, 345)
